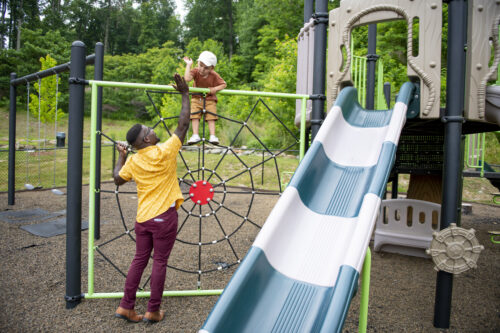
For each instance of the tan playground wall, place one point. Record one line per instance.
(482, 26)
(428, 61)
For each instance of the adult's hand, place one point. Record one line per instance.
(122, 149)
(180, 84)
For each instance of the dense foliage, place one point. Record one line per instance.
(144, 41)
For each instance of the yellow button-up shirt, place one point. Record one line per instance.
(154, 170)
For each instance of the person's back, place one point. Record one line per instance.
(154, 170)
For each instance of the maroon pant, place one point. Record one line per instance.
(159, 234)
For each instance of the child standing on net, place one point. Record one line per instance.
(204, 77)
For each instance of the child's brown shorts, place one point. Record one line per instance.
(197, 105)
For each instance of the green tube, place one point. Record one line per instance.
(365, 292)
(174, 293)
(93, 149)
(201, 90)
(302, 128)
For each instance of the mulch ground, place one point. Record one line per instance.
(402, 290)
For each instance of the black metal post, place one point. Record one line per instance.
(452, 172)
(12, 142)
(98, 75)
(308, 10)
(262, 177)
(387, 94)
(74, 180)
(395, 184)
(371, 60)
(318, 97)
(114, 159)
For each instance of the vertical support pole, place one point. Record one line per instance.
(395, 185)
(318, 103)
(12, 142)
(308, 10)
(371, 60)
(113, 162)
(262, 181)
(98, 75)
(387, 94)
(74, 178)
(92, 185)
(452, 171)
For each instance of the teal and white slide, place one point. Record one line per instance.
(302, 270)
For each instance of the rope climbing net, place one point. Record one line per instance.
(220, 187)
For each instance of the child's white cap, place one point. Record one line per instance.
(208, 58)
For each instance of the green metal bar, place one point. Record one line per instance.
(358, 76)
(381, 105)
(365, 292)
(174, 293)
(474, 148)
(200, 90)
(467, 151)
(482, 140)
(302, 128)
(93, 149)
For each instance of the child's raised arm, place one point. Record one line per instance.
(214, 90)
(187, 73)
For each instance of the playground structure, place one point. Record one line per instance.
(428, 117)
(297, 307)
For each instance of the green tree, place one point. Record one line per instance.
(248, 22)
(211, 19)
(157, 23)
(43, 101)
(35, 44)
(281, 77)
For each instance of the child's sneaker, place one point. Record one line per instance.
(195, 138)
(214, 140)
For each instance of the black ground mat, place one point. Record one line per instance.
(51, 228)
(28, 215)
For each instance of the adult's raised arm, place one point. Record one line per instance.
(183, 124)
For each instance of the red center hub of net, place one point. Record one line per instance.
(201, 192)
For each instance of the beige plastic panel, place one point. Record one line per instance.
(482, 26)
(427, 65)
(305, 61)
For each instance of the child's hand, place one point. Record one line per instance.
(213, 91)
(188, 61)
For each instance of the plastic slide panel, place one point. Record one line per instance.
(302, 270)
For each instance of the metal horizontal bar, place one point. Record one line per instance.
(487, 174)
(89, 60)
(173, 293)
(192, 89)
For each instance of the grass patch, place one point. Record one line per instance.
(38, 168)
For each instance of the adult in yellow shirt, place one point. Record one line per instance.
(154, 170)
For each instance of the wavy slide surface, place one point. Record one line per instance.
(302, 270)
